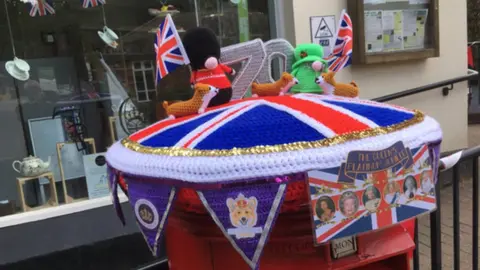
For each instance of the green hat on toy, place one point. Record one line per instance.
(309, 64)
(305, 53)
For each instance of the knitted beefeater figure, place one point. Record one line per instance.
(203, 50)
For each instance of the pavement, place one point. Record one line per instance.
(447, 218)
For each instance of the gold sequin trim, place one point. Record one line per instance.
(258, 150)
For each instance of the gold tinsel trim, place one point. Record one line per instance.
(256, 150)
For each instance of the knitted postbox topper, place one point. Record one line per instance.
(360, 160)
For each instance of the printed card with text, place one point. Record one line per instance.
(371, 190)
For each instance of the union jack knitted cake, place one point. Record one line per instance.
(266, 137)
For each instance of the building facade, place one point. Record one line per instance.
(72, 94)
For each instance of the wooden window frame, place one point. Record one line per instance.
(356, 10)
(143, 70)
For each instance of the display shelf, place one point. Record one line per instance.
(53, 201)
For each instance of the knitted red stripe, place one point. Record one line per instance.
(336, 121)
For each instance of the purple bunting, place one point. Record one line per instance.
(113, 185)
(151, 203)
(246, 215)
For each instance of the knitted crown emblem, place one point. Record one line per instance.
(242, 203)
(303, 54)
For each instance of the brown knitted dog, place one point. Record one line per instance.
(330, 87)
(278, 88)
(202, 95)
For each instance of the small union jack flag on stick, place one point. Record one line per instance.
(41, 8)
(92, 3)
(169, 49)
(341, 56)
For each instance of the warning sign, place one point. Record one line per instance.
(323, 31)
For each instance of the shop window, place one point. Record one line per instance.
(144, 80)
(101, 93)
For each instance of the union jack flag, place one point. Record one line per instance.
(341, 56)
(392, 209)
(315, 117)
(169, 49)
(92, 3)
(41, 8)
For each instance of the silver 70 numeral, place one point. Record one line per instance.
(252, 55)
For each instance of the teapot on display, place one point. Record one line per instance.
(31, 166)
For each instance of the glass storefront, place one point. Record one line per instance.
(82, 95)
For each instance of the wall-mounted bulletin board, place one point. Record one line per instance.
(394, 30)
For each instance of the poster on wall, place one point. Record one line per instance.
(96, 175)
(394, 30)
(371, 190)
(323, 32)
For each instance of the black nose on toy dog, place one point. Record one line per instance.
(317, 80)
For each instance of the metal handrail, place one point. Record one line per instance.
(472, 74)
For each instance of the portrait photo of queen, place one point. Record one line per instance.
(426, 182)
(391, 193)
(325, 208)
(349, 204)
(371, 198)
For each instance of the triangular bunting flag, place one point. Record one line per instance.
(113, 185)
(151, 203)
(92, 3)
(246, 215)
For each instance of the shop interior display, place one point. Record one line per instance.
(64, 50)
(18, 68)
(31, 166)
(73, 125)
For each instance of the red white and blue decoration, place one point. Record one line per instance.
(241, 157)
(341, 56)
(170, 53)
(389, 186)
(92, 3)
(41, 8)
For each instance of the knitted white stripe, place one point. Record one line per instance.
(357, 101)
(331, 177)
(321, 128)
(374, 221)
(210, 77)
(353, 115)
(201, 127)
(219, 125)
(222, 169)
(173, 125)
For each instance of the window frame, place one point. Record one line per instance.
(143, 70)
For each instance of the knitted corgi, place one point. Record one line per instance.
(331, 87)
(203, 50)
(278, 88)
(197, 104)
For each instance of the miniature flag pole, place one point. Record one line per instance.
(170, 53)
